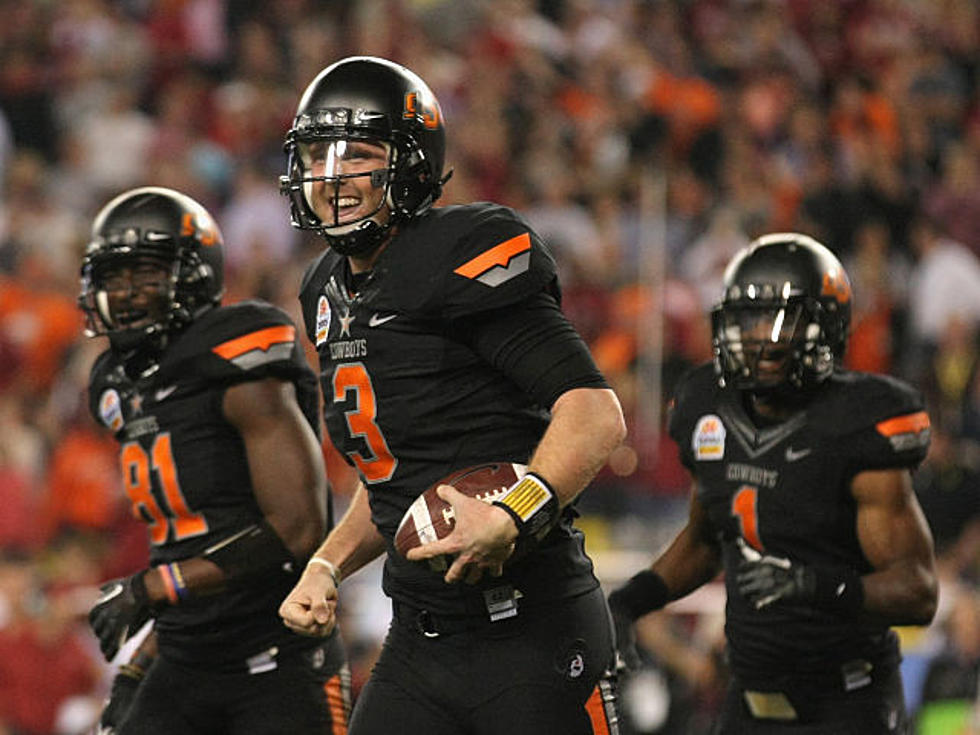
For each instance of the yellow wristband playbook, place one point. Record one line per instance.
(531, 503)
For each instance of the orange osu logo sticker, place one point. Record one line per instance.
(835, 284)
(415, 107)
(206, 232)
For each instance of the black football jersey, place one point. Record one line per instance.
(186, 472)
(785, 489)
(406, 398)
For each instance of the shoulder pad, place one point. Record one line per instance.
(104, 391)
(693, 398)
(314, 279)
(250, 340)
(466, 259)
(880, 422)
(497, 261)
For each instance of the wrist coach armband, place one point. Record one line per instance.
(531, 503)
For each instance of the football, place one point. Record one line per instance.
(430, 518)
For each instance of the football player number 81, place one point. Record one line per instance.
(353, 377)
(136, 466)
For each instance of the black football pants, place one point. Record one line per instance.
(542, 672)
(877, 709)
(308, 693)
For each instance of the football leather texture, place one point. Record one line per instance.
(430, 518)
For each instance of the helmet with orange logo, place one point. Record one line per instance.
(356, 101)
(784, 317)
(154, 263)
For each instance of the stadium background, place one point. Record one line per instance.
(646, 141)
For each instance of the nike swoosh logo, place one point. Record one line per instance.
(113, 591)
(377, 320)
(164, 392)
(792, 456)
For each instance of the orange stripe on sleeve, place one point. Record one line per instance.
(597, 713)
(910, 423)
(497, 255)
(259, 340)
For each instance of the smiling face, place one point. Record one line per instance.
(135, 293)
(349, 181)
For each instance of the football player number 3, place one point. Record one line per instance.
(361, 421)
(744, 508)
(137, 465)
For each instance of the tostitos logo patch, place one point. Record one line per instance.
(708, 441)
(110, 409)
(322, 320)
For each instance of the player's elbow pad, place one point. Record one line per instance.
(252, 553)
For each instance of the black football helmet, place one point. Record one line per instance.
(784, 317)
(375, 100)
(159, 227)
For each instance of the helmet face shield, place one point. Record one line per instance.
(757, 342)
(345, 181)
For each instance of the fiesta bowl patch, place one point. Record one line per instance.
(708, 441)
(110, 409)
(322, 320)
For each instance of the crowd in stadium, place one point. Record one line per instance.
(646, 141)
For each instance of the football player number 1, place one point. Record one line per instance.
(137, 464)
(744, 508)
(353, 378)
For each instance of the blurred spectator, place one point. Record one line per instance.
(944, 284)
(44, 664)
(951, 693)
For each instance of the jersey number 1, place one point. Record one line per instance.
(744, 507)
(136, 466)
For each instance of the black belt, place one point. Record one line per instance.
(433, 625)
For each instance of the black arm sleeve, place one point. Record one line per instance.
(534, 344)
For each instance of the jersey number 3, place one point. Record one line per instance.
(136, 466)
(353, 377)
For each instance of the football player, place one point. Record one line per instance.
(215, 410)
(802, 494)
(442, 345)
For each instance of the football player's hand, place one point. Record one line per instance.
(311, 607)
(763, 579)
(627, 656)
(121, 610)
(121, 696)
(481, 541)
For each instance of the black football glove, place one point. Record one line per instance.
(763, 579)
(645, 592)
(121, 610)
(627, 656)
(121, 696)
